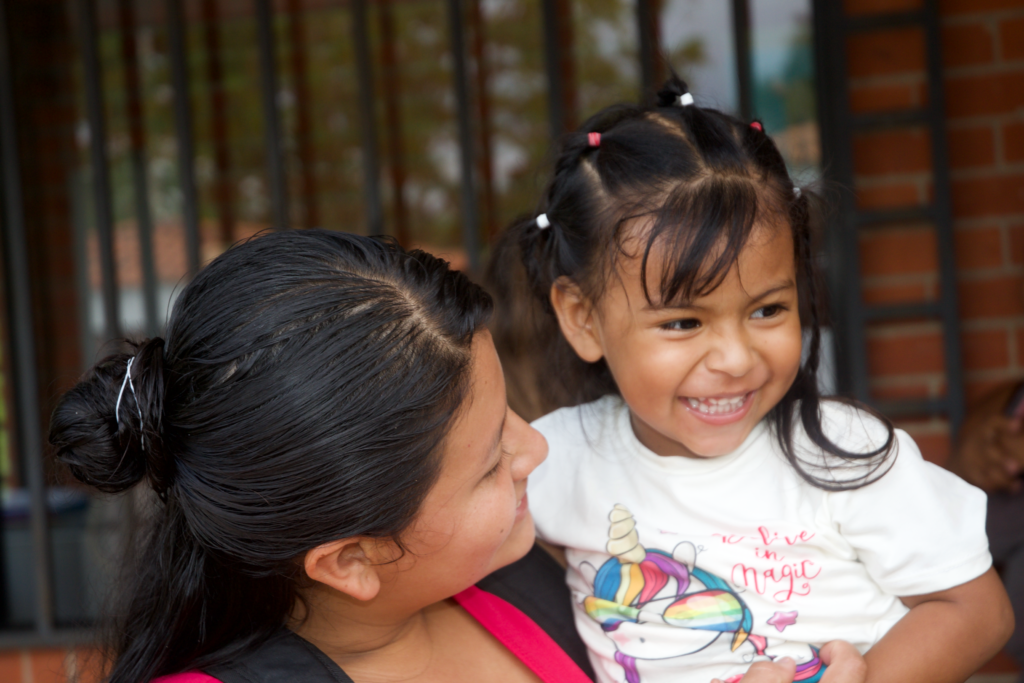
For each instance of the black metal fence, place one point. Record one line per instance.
(473, 181)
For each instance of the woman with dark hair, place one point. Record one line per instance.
(335, 467)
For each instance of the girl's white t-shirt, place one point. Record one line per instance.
(688, 569)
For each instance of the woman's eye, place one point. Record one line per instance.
(682, 325)
(768, 311)
(497, 466)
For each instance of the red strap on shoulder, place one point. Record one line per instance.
(187, 677)
(521, 635)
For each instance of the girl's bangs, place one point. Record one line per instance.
(697, 234)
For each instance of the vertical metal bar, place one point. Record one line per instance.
(559, 65)
(223, 192)
(741, 39)
(303, 120)
(944, 221)
(393, 120)
(470, 220)
(648, 48)
(183, 130)
(88, 34)
(22, 342)
(133, 105)
(271, 115)
(843, 247)
(364, 72)
(553, 68)
(483, 111)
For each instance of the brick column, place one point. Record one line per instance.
(983, 55)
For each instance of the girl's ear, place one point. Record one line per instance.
(576, 318)
(347, 566)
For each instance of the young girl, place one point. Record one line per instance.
(714, 509)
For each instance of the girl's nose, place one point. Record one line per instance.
(528, 447)
(731, 353)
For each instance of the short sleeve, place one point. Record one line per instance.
(918, 529)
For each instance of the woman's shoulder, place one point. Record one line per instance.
(276, 660)
(535, 585)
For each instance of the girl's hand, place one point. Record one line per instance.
(845, 663)
(780, 671)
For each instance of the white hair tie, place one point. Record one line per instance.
(117, 406)
(685, 100)
(796, 191)
(542, 221)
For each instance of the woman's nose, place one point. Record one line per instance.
(529, 447)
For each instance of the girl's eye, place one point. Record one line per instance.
(768, 311)
(682, 325)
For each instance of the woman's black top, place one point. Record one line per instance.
(534, 584)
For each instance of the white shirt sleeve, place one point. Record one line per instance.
(919, 529)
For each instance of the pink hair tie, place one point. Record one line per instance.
(756, 125)
(594, 139)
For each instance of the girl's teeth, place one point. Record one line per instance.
(714, 406)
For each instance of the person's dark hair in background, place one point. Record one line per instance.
(306, 383)
(530, 347)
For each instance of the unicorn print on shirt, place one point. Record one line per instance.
(639, 591)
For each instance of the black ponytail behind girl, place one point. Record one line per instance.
(305, 384)
(704, 179)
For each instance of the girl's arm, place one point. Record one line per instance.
(946, 635)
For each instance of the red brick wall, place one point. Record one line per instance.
(48, 666)
(983, 69)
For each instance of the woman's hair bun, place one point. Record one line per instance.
(109, 445)
(672, 90)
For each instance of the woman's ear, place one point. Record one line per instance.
(576, 318)
(346, 566)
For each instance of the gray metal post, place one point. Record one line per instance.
(183, 130)
(944, 222)
(23, 357)
(271, 115)
(741, 39)
(553, 68)
(648, 48)
(367, 120)
(470, 219)
(100, 169)
(842, 241)
(133, 106)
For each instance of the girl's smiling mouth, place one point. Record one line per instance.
(720, 409)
